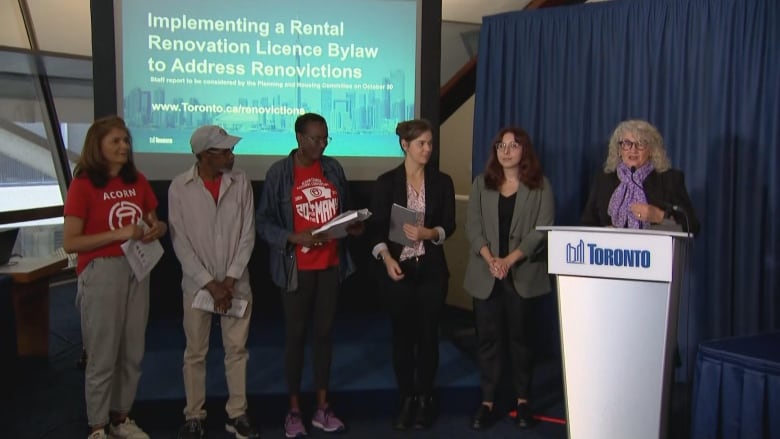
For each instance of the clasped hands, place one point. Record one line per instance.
(499, 267)
(222, 293)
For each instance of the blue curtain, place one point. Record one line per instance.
(707, 74)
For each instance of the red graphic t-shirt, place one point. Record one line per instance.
(108, 208)
(315, 201)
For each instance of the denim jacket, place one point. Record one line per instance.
(274, 218)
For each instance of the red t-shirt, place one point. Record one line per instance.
(213, 186)
(108, 208)
(315, 202)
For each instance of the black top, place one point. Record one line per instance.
(665, 190)
(506, 207)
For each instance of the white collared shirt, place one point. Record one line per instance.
(212, 240)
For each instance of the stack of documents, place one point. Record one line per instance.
(336, 228)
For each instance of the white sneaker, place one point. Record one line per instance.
(126, 430)
(97, 434)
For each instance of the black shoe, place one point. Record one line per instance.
(525, 418)
(425, 413)
(192, 429)
(241, 427)
(406, 414)
(483, 418)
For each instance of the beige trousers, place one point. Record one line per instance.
(197, 327)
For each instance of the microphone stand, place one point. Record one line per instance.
(633, 170)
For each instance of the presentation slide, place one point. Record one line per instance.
(252, 67)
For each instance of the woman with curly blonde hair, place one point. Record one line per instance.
(638, 188)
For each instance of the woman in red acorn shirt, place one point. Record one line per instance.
(105, 204)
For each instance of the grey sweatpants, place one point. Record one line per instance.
(114, 308)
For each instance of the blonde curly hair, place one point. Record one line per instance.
(646, 134)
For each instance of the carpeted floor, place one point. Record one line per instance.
(48, 402)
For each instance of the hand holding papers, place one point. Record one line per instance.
(337, 227)
(142, 256)
(399, 216)
(203, 301)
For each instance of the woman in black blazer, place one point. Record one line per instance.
(638, 188)
(417, 275)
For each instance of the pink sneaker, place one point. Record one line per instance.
(326, 420)
(293, 425)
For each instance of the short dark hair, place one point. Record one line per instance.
(305, 119)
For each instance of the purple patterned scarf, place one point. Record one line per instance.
(627, 193)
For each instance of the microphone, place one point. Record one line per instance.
(667, 206)
(633, 170)
(671, 207)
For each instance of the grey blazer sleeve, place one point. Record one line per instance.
(475, 222)
(533, 240)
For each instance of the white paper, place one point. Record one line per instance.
(142, 256)
(204, 302)
(336, 228)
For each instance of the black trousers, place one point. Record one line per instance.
(415, 304)
(502, 321)
(313, 305)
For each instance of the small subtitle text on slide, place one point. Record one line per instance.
(376, 86)
(162, 140)
(165, 80)
(314, 85)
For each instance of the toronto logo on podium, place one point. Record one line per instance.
(616, 257)
(575, 254)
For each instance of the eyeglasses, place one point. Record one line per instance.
(318, 140)
(220, 151)
(626, 145)
(511, 146)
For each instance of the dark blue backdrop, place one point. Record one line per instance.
(707, 74)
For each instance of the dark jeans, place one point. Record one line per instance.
(415, 305)
(502, 328)
(314, 302)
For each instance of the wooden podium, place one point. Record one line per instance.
(618, 293)
(30, 297)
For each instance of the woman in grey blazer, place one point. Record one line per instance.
(507, 264)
